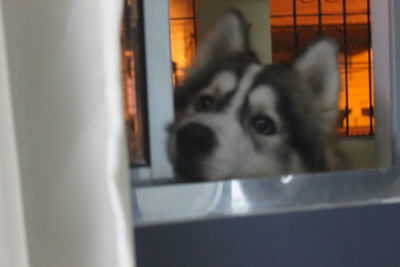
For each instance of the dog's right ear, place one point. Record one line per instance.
(229, 35)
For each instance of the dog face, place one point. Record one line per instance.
(237, 118)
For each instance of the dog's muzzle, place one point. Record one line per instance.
(194, 142)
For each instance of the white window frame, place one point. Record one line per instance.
(386, 47)
(159, 89)
(159, 84)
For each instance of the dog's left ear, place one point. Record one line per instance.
(318, 66)
(229, 35)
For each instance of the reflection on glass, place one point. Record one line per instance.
(133, 81)
(239, 200)
(286, 179)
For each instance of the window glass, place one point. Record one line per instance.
(133, 79)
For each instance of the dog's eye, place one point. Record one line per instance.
(264, 125)
(204, 103)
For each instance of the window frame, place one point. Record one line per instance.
(396, 81)
(159, 87)
(384, 23)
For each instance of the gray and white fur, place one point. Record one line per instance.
(237, 118)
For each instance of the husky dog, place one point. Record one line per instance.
(237, 118)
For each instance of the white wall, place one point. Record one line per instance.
(256, 12)
(65, 80)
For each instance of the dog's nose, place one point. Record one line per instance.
(195, 140)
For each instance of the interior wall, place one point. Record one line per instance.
(256, 12)
(360, 152)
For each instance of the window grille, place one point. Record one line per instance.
(294, 23)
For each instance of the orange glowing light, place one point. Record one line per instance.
(183, 37)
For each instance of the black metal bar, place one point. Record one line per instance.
(296, 41)
(346, 75)
(194, 22)
(371, 109)
(319, 18)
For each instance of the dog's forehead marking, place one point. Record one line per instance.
(224, 82)
(263, 97)
(244, 86)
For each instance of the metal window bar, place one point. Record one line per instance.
(371, 110)
(320, 29)
(346, 66)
